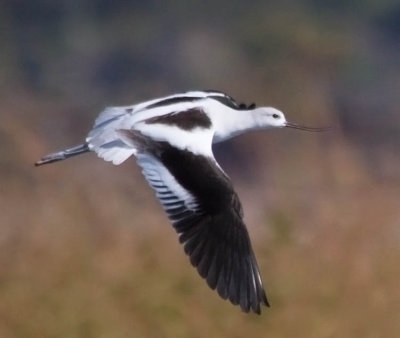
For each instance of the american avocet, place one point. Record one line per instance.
(171, 139)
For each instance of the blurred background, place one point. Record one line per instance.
(85, 249)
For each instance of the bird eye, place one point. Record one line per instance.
(275, 116)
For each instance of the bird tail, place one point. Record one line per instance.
(64, 154)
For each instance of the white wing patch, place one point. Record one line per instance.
(115, 151)
(176, 200)
(108, 115)
(104, 138)
(198, 141)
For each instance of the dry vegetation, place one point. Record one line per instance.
(87, 252)
(85, 249)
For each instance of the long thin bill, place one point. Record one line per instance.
(296, 126)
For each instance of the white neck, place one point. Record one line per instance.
(228, 124)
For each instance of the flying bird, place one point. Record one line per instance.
(171, 139)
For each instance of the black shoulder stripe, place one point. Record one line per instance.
(186, 120)
(228, 100)
(213, 94)
(173, 100)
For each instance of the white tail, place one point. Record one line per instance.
(105, 140)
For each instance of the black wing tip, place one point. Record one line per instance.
(251, 301)
(239, 283)
(265, 301)
(256, 307)
(225, 260)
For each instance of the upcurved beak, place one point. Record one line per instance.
(296, 126)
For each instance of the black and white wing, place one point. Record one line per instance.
(207, 215)
(228, 101)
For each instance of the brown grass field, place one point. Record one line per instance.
(86, 250)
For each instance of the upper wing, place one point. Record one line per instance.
(104, 138)
(206, 213)
(111, 114)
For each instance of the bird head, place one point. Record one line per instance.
(268, 117)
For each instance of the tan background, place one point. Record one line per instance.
(85, 249)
